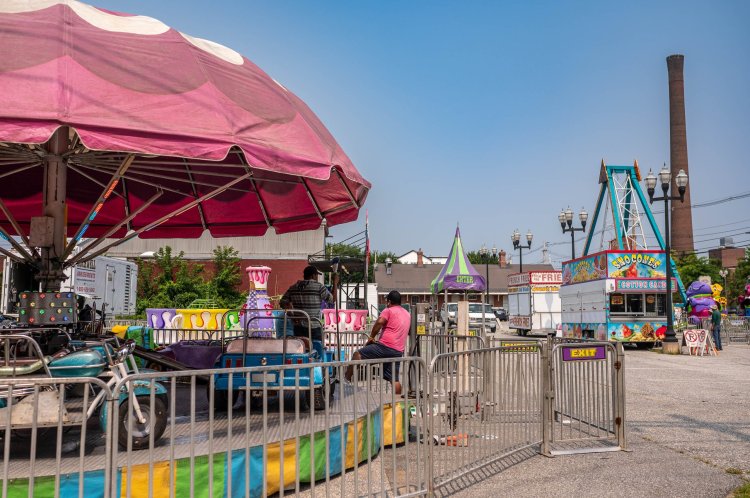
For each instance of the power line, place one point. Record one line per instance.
(714, 246)
(730, 234)
(722, 225)
(709, 203)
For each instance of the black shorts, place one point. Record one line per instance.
(377, 351)
(303, 331)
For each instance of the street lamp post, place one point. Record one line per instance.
(516, 239)
(487, 255)
(566, 218)
(723, 273)
(681, 180)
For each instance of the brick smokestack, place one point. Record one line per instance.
(420, 258)
(681, 231)
(501, 261)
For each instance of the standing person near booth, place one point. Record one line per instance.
(716, 324)
(395, 322)
(308, 295)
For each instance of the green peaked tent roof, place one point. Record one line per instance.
(458, 274)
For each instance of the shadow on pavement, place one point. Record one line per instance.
(487, 471)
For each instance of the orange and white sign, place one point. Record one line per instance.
(535, 277)
(84, 281)
(545, 288)
(546, 277)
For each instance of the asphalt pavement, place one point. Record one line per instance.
(688, 428)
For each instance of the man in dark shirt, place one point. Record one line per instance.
(307, 295)
(716, 322)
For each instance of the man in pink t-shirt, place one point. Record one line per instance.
(395, 322)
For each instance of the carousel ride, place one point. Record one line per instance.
(114, 127)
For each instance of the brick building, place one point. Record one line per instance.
(285, 254)
(727, 254)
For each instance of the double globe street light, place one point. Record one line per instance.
(723, 274)
(681, 180)
(566, 218)
(516, 239)
(487, 255)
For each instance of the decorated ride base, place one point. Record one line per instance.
(193, 453)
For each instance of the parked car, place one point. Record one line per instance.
(501, 314)
(475, 315)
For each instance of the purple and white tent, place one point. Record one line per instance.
(458, 274)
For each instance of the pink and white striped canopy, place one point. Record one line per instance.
(191, 115)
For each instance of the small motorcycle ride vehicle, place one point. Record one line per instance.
(22, 362)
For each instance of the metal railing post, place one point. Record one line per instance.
(427, 399)
(548, 397)
(620, 386)
(110, 448)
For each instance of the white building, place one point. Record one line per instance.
(413, 257)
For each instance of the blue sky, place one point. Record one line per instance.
(496, 115)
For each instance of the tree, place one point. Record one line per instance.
(738, 279)
(224, 284)
(168, 281)
(691, 266)
(345, 250)
(475, 258)
(383, 255)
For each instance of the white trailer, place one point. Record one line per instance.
(107, 283)
(534, 302)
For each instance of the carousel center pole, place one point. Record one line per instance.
(53, 231)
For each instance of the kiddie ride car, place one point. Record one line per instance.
(251, 350)
(23, 365)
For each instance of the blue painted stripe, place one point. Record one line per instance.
(93, 484)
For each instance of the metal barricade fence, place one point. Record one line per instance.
(430, 345)
(259, 431)
(347, 343)
(47, 441)
(584, 399)
(553, 340)
(165, 337)
(498, 342)
(735, 330)
(477, 416)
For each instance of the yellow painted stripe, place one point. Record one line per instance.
(354, 430)
(139, 480)
(273, 470)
